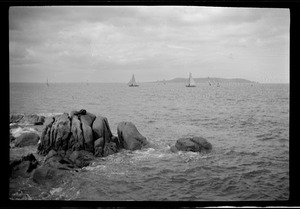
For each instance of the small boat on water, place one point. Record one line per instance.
(132, 82)
(209, 81)
(191, 82)
(47, 83)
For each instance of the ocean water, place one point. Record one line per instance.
(247, 125)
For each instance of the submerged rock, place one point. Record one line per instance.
(129, 137)
(194, 144)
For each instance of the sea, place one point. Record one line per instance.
(246, 123)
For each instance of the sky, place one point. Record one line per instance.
(110, 43)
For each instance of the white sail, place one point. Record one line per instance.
(132, 82)
(191, 82)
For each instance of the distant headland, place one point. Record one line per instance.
(207, 80)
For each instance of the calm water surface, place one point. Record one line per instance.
(248, 127)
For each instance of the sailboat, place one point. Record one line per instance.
(132, 82)
(47, 82)
(209, 81)
(191, 82)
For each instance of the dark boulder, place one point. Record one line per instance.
(23, 166)
(129, 137)
(48, 175)
(194, 144)
(53, 169)
(26, 139)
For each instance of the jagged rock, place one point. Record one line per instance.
(86, 123)
(194, 144)
(46, 142)
(26, 139)
(129, 137)
(56, 134)
(61, 131)
(15, 118)
(76, 141)
(23, 166)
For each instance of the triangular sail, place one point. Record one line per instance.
(132, 81)
(191, 82)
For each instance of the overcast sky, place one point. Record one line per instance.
(109, 44)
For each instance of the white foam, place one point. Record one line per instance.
(89, 168)
(55, 190)
(16, 132)
(50, 114)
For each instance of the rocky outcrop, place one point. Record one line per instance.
(23, 166)
(26, 139)
(129, 137)
(32, 119)
(193, 144)
(79, 131)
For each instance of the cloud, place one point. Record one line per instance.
(137, 38)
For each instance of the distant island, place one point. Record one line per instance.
(207, 80)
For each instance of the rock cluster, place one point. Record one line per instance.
(82, 130)
(71, 141)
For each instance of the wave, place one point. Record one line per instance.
(255, 173)
(240, 153)
(16, 132)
